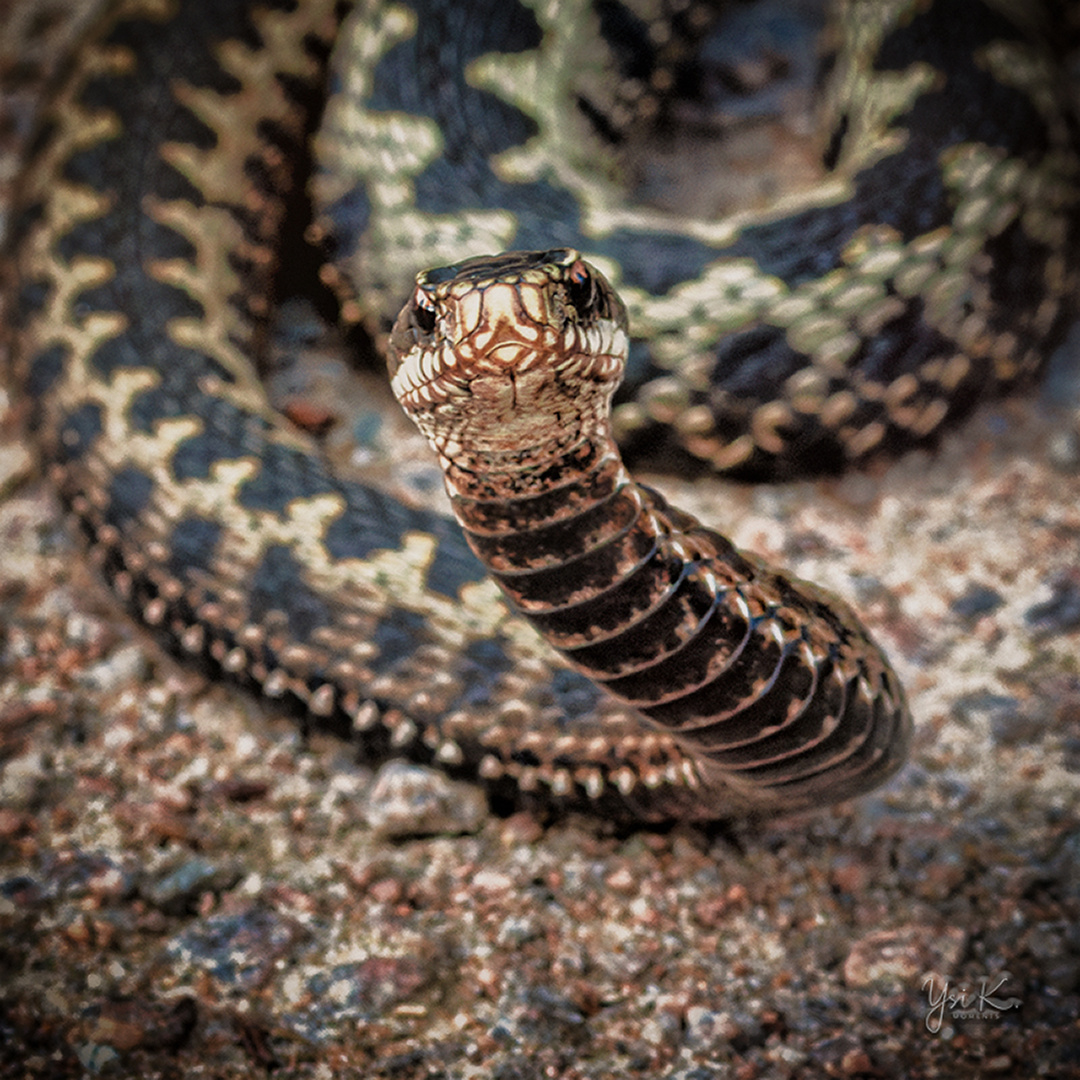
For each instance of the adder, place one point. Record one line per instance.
(932, 260)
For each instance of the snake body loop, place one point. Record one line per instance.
(934, 261)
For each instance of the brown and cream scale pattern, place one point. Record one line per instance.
(508, 365)
(140, 261)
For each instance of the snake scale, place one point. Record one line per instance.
(935, 260)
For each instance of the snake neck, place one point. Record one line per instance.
(568, 454)
(565, 510)
(769, 681)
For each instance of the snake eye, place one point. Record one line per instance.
(581, 289)
(423, 312)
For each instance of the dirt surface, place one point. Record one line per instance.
(190, 888)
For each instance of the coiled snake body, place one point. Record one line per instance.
(937, 259)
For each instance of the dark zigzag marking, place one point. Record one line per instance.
(126, 167)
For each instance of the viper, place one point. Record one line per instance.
(508, 365)
(930, 261)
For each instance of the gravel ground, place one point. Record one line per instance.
(190, 888)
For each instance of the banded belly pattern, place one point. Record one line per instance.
(508, 365)
(815, 332)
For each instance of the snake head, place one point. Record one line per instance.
(505, 352)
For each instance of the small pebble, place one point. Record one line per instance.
(180, 888)
(1061, 612)
(977, 600)
(22, 779)
(127, 665)
(412, 800)
(16, 464)
(898, 958)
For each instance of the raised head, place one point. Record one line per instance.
(508, 351)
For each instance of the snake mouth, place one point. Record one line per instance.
(424, 378)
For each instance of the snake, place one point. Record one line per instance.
(507, 365)
(933, 261)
